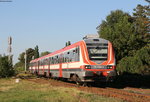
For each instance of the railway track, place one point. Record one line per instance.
(125, 94)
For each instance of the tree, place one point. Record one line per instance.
(44, 53)
(68, 43)
(142, 22)
(6, 67)
(19, 66)
(36, 54)
(30, 53)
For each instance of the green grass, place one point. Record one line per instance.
(26, 91)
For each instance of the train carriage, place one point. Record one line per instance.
(89, 60)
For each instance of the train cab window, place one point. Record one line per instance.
(97, 51)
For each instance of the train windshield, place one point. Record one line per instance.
(97, 52)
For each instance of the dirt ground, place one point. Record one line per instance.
(128, 94)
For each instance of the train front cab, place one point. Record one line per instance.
(99, 61)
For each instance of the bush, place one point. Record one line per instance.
(19, 67)
(6, 67)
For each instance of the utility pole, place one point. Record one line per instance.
(9, 48)
(25, 57)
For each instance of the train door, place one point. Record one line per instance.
(60, 65)
(49, 63)
(43, 66)
(38, 64)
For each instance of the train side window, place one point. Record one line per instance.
(67, 59)
(49, 60)
(59, 59)
(56, 60)
(44, 61)
(52, 60)
(74, 51)
(39, 63)
(63, 59)
(70, 60)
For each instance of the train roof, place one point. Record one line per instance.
(58, 51)
(96, 40)
(87, 40)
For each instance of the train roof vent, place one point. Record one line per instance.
(95, 39)
(91, 36)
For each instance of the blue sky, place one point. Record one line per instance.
(50, 23)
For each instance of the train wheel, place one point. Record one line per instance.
(48, 75)
(45, 74)
(76, 79)
(84, 84)
(36, 73)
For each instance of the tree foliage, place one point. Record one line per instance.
(142, 22)
(44, 53)
(6, 67)
(30, 53)
(68, 43)
(19, 66)
(130, 36)
(36, 54)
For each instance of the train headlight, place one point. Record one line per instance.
(87, 66)
(109, 67)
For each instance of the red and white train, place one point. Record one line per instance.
(89, 60)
